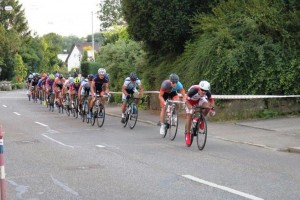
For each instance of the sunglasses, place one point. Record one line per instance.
(173, 82)
(203, 90)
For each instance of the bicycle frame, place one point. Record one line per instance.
(131, 112)
(171, 118)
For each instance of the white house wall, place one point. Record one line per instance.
(74, 59)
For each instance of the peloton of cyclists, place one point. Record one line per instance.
(169, 89)
(132, 85)
(99, 85)
(197, 95)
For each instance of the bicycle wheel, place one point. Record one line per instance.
(101, 116)
(94, 117)
(133, 116)
(51, 102)
(76, 108)
(173, 125)
(127, 114)
(201, 134)
(84, 111)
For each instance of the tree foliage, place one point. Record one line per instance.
(110, 14)
(163, 26)
(245, 47)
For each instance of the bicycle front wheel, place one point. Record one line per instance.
(101, 116)
(133, 115)
(173, 126)
(201, 133)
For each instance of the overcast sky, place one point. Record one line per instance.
(64, 17)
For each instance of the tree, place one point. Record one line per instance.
(164, 27)
(245, 47)
(110, 13)
(21, 70)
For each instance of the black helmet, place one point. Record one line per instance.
(174, 78)
(133, 76)
(60, 76)
(90, 77)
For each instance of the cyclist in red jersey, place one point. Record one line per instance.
(197, 95)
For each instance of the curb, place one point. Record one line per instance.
(294, 149)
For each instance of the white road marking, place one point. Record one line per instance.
(100, 146)
(40, 123)
(58, 142)
(65, 187)
(17, 113)
(4, 106)
(249, 196)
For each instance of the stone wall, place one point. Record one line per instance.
(5, 86)
(245, 109)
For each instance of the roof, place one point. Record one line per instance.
(81, 45)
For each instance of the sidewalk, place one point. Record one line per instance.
(275, 134)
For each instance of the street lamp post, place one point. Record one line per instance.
(93, 40)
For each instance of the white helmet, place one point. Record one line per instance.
(101, 71)
(71, 79)
(204, 85)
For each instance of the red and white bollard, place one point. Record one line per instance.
(2, 171)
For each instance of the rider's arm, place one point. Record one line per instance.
(93, 88)
(124, 90)
(106, 88)
(141, 90)
(160, 96)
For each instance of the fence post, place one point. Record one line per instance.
(2, 171)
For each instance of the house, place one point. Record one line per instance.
(74, 58)
(62, 56)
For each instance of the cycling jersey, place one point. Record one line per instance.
(59, 82)
(131, 86)
(194, 97)
(85, 87)
(169, 91)
(74, 87)
(99, 82)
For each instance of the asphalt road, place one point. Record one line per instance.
(52, 156)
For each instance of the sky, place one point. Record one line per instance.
(64, 17)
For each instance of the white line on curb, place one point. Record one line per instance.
(249, 196)
(17, 113)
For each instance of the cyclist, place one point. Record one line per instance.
(169, 89)
(74, 88)
(84, 89)
(58, 85)
(49, 85)
(197, 95)
(130, 86)
(99, 84)
(33, 86)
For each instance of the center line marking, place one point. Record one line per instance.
(100, 146)
(249, 196)
(58, 142)
(40, 123)
(17, 113)
(4, 106)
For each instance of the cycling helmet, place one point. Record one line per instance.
(44, 74)
(204, 85)
(76, 80)
(51, 76)
(90, 77)
(101, 71)
(133, 76)
(30, 76)
(71, 79)
(174, 78)
(60, 76)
